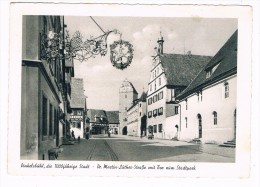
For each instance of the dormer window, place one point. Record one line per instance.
(211, 70)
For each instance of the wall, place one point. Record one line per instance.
(29, 113)
(213, 100)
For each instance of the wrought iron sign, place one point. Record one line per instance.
(121, 52)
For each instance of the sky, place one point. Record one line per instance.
(102, 81)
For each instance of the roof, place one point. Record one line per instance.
(226, 57)
(92, 113)
(113, 117)
(181, 69)
(77, 93)
(127, 83)
(143, 97)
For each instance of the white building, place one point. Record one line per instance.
(136, 117)
(208, 104)
(170, 75)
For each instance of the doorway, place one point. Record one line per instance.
(200, 125)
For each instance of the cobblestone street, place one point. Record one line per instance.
(126, 148)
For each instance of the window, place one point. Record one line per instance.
(155, 128)
(150, 114)
(44, 116)
(155, 112)
(155, 85)
(151, 87)
(150, 101)
(186, 122)
(140, 113)
(215, 118)
(79, 113)
(50, 120)
(160, 82)
(158, 70)
(160, 128)
(154, 98)
(155, 73)
(160, 95)
(78, 125)
(125, 96)
(140, 105)
(200, 95)
(176, 110)
(226, 89)
(186, 102)
(160, 111)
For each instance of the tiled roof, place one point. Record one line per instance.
(77, 93)
(92, 113)
(113, 117)
(143, 97)
(180, 69)
(226, 57)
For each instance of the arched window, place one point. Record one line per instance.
(215, 118)
(226, 89)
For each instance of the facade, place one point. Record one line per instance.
(43, 97)
(98, 121)
(136, 117)
(170, 75)
(113, 121)
(208, 104)
(127, 94)
(78, 108)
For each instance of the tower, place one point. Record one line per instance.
(160, 44)
(127, 94)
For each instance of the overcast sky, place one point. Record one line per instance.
(102, 80)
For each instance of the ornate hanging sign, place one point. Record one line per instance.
(121, 54)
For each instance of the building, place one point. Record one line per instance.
(208, 104)
(127, 94)
(98, 121)
(113, 121)
(170, 75)
(136, 117)
(43, 97)
(78, 108)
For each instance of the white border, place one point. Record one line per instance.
(244, 81)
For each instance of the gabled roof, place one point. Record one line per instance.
(226, 57)
(143, 97)
(113, 117)
(92, 113)
(77, 93)
(180, 69)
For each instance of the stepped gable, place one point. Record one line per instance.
(226, 57)
(77, 93)
(181, 69)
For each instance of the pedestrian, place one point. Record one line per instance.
(73, 135)
(78, 139)
(109, 132)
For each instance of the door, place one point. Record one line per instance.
(200, 125)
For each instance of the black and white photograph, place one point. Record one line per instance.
(129, 89)
(121, 90)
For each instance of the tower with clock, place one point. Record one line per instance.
(127, 94)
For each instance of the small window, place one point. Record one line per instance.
(176, 111)
(155, 85)
(150, 114)
(140, 113)
(125, 96)
(160, 128)
(160, 81)
(186, 102)
(155, 112)
(140, 105)
(78, 125)
(226, 90)
(151, 87)
(155, 128)
(215, 118)
(186, 122)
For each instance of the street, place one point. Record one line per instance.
(127, 148)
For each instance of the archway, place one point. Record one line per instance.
(200, 125)
(124, 131)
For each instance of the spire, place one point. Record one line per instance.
(160, 44)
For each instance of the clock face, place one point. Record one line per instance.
(121, 54)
